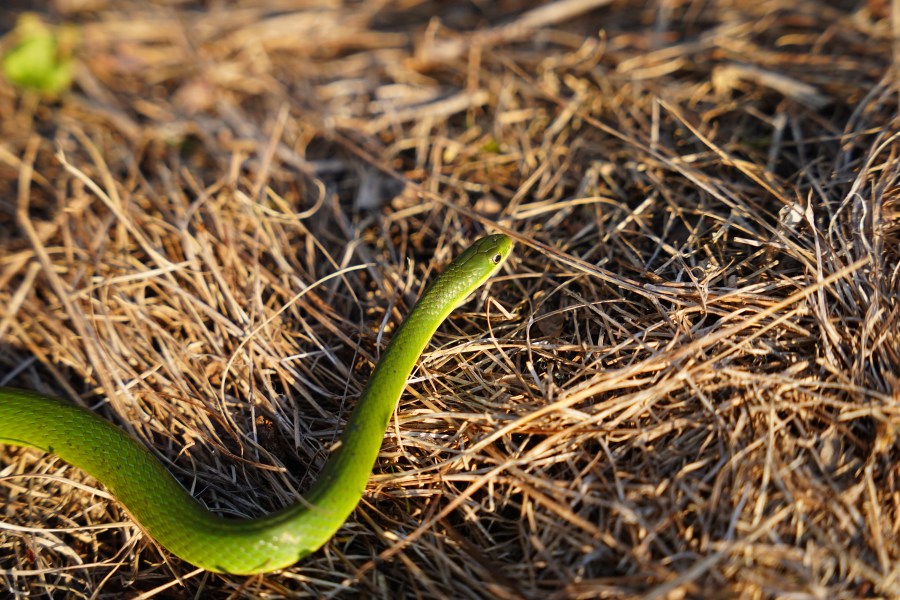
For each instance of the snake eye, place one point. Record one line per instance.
(497, 258)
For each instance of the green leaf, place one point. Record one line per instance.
(42, 58)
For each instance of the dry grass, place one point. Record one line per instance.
(684, 384)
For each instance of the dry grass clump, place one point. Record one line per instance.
(684, 384)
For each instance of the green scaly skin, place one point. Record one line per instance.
(186, 528)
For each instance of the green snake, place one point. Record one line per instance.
(178, 522)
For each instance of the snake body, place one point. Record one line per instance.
(178, 522)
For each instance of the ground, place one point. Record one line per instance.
(684, 383)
